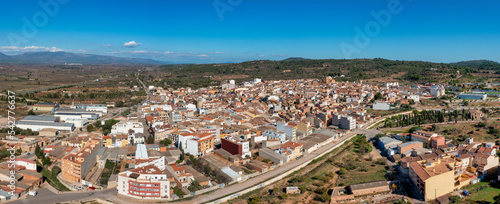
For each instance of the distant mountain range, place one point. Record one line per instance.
(68, 57)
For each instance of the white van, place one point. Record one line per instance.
(32, 193)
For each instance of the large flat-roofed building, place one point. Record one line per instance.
(84, 113)
(147, 182)
(273, 156)
(75, 167)
(78, 122)
(90, 107)
(45, 107)
(37, 126)
(473, 96)
(41, 118)
(124, 127)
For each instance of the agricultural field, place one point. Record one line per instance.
(482, 192)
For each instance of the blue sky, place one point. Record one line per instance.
(238, 30)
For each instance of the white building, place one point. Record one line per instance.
(125, 126)
(381, 106)
(37, 126)
(147, 182)
(28, 164)
(175, 116)
(78, 122)
(289, 130)
(90, 107)
(273, 134)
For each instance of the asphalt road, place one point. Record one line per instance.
(46, 196)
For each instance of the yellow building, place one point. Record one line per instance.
(107, 141)
(437, 177)
(44, 107)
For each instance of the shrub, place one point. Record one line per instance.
(342, 171)
(351, 167)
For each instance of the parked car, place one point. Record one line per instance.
(92, 188)
(32, 193)
(85, 186)
(79, 188)
(28, 153)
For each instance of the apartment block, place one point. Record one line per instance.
(75, 167)
(147, 182)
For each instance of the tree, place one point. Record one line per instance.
(378, 136)
(46, 161)
(31, 112)
(378, 96)
(481, 125)
(55, 171)
(266, 160)
(455, 199)
(254, 200)
(90, 128)
(38, 152)
(433, 127)
(194, 186)
(166, 142)
(119, 104)
(150, 140)
(496, 199)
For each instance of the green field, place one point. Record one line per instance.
(486, 194)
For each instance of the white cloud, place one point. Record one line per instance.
(202, 55)
(168, 52)
(131, 44)
(29, 49)
(134, 52)
(106, 45)
(278, 55)
(261, 55)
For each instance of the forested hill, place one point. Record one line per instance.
(356, 69)
(480, 64)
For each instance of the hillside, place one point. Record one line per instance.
(357, 69)
(67, 57)
(480, 64)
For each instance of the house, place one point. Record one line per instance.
(236, 146)
(182, 178)
(409, 146)
(292, 190)
(436, 141)
(341, 194)
(477, 114)
(273, 156)
(369, 188)
(485, 163)
(292, 150)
